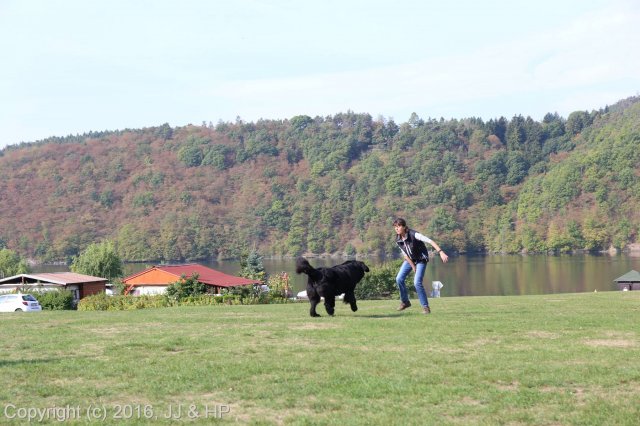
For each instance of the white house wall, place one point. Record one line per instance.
(149, 290)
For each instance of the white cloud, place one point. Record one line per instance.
(576, 63)
(277, 59)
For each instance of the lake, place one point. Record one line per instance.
(490, 275)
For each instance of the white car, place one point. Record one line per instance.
(19, 303)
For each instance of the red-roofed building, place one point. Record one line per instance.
(155, 280)
(80, 285)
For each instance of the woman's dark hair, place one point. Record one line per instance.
(400, 221)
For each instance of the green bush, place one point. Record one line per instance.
(244, 296)
(279, 287)
(186, 287)
(379, 282)
(104, 302)
(208, 299)
(96, 302)
(55, 300)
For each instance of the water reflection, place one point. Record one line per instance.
(525, 275)
(492, 275)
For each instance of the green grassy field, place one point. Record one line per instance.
(552, 359)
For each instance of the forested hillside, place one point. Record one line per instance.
(328, 185)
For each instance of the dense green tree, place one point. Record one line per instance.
(277, 215)
(107, 198)
(218, 156)
(415, 120)
(190, 155)
(622, 233)
(516, 134)
(554, 125)
(574, 231)
(11, 263)
(517, 166)
(498, 127)
(558, 239)
(295, 241)
(442, 223)
(495, 167)
(99, 260)
(252, 267)
(577, 121)
(534, 140)
(531, 240)
(165, 131)
(260, 142)
(300, 122)
(595, 234)
(133, 243)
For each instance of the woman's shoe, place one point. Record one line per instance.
(404, 306)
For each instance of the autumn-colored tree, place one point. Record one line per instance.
(326, 184)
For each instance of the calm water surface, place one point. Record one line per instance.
(493, 275)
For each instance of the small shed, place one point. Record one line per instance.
(79, 284)
(629, 281)
(156, 279)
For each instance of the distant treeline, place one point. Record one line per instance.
(317, 185)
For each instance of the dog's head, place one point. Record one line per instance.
(304, 267)
(363, 266)
(358, 264)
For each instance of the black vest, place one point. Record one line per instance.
(416, 250)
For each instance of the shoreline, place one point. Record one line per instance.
(632, 250)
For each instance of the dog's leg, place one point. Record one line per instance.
(330, 303)
(350, 298)
(314, 300)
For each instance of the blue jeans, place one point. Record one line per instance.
(417, 282)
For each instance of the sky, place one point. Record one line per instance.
(73, 66)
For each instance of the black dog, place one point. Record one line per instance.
(331, 282)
